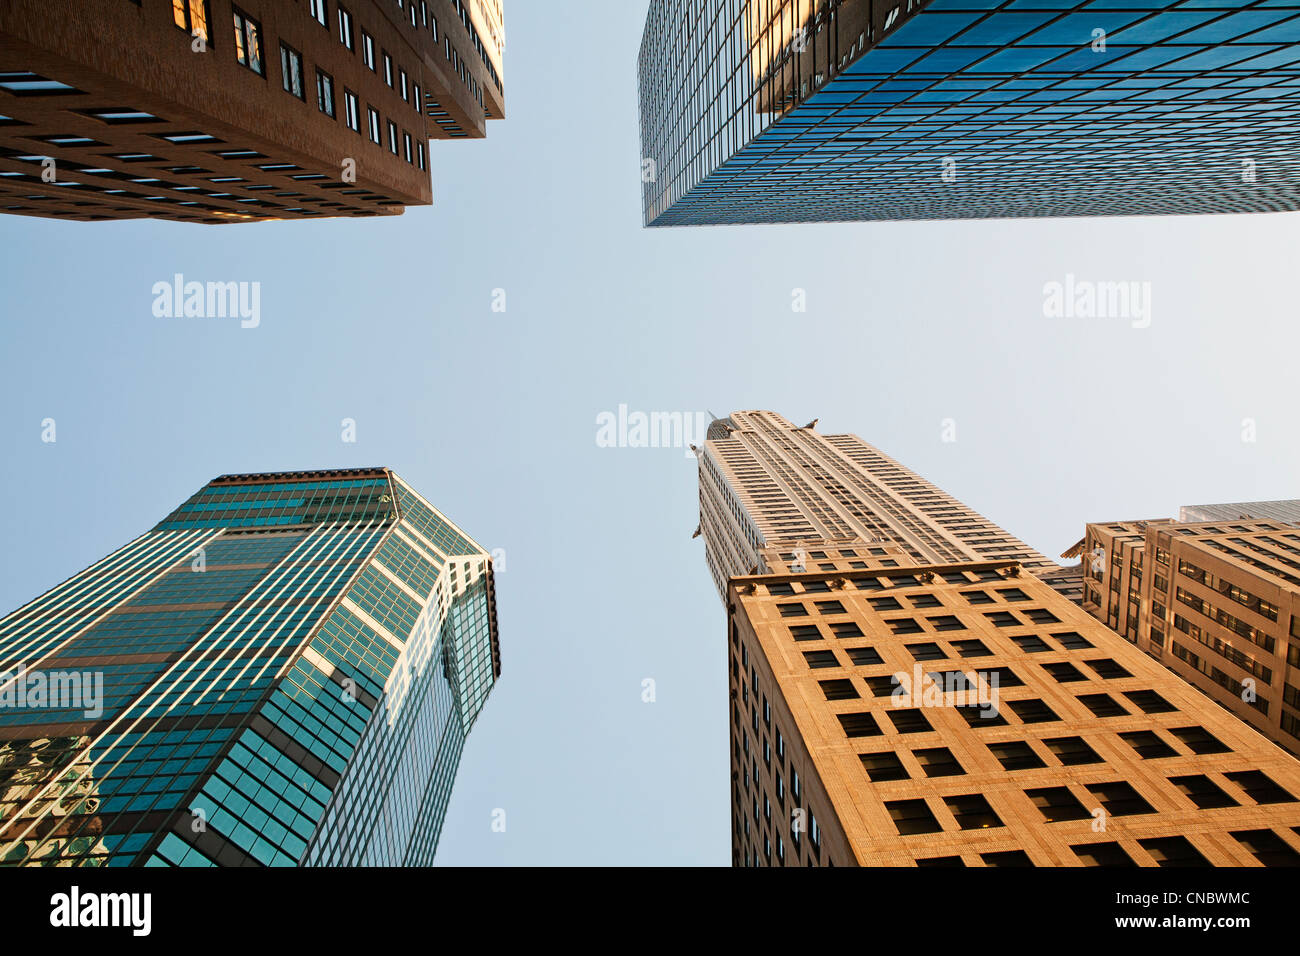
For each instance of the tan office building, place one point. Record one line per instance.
(899, 698)
(216, 112)
(1217, 602)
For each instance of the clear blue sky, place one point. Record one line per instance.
(493, 416)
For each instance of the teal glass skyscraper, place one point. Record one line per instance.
(283, 671)
(837, 110)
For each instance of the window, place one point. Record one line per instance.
(1149, 701)
(972, 812)
(1148, 744)
(1173, 851)
(392, 137)
(325, 93)
(1032, 711)
(351, 111)
(859, 725)
(388, 69)
(938, 762)
(1065, 673)
(971, 648)
(1102, 854)
(912, 816)
(1072, 751)
(1031, 643)
(883, 766)
(406, 89)
(1199, 740)
(406, 143)
(1259, 787)
(1007, 858)
(1267, 847)
(830, 607)
(926, 652)
(1102, 705)
(1072, 641)
(192, 16)
(318, 12)
(1017, 755)
(839, 690)
(345, 29)
(864, 656)
(1119, 799)
(248, 41)
(1108, 669)
(805, 632)
(941, 861)
(882, 686)
(846, 629)
(1202, 791)
(818, 659)
(291, 71)
(376, 136)
(792, 610)
(368, 50)
(979, 716)
(1058, 803)
(909, 721)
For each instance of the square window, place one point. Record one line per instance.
(839, 689)
(912, 816)
(883, 766)
(1102, 705)
(938, 762)
(909, 721)
(1199, 740)
(926, 652)
(1072, 751)
(1016, 755)
(820, 659)
(972, 812)
(1148, 744)
(1057, 804)
(859, 725)
(864, 656)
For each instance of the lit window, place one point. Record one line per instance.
(248, 41)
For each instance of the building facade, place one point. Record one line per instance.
(1217, 602)
(252, 110)
(898, 699)
(283, 671)
(841, 110)
(765, 483)
(1284, 511)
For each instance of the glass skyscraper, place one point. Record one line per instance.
(835, 110)
(283, 671)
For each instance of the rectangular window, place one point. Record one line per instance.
(388, 69)
(406, 139)
(406, 89)
(345, 29)
(291, 70)
(325, 93)
(392, 137)
(368, 50)
(419, 154)
(248, 41)
(351, 111)
(376, 136)
(192, 16)
(318, 12)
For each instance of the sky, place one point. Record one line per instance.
(913, 333)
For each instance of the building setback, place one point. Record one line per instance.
(213, 112)
(1217, 602)
(862, 668)
(290, 664)
(842, 110)
(1285, 511)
